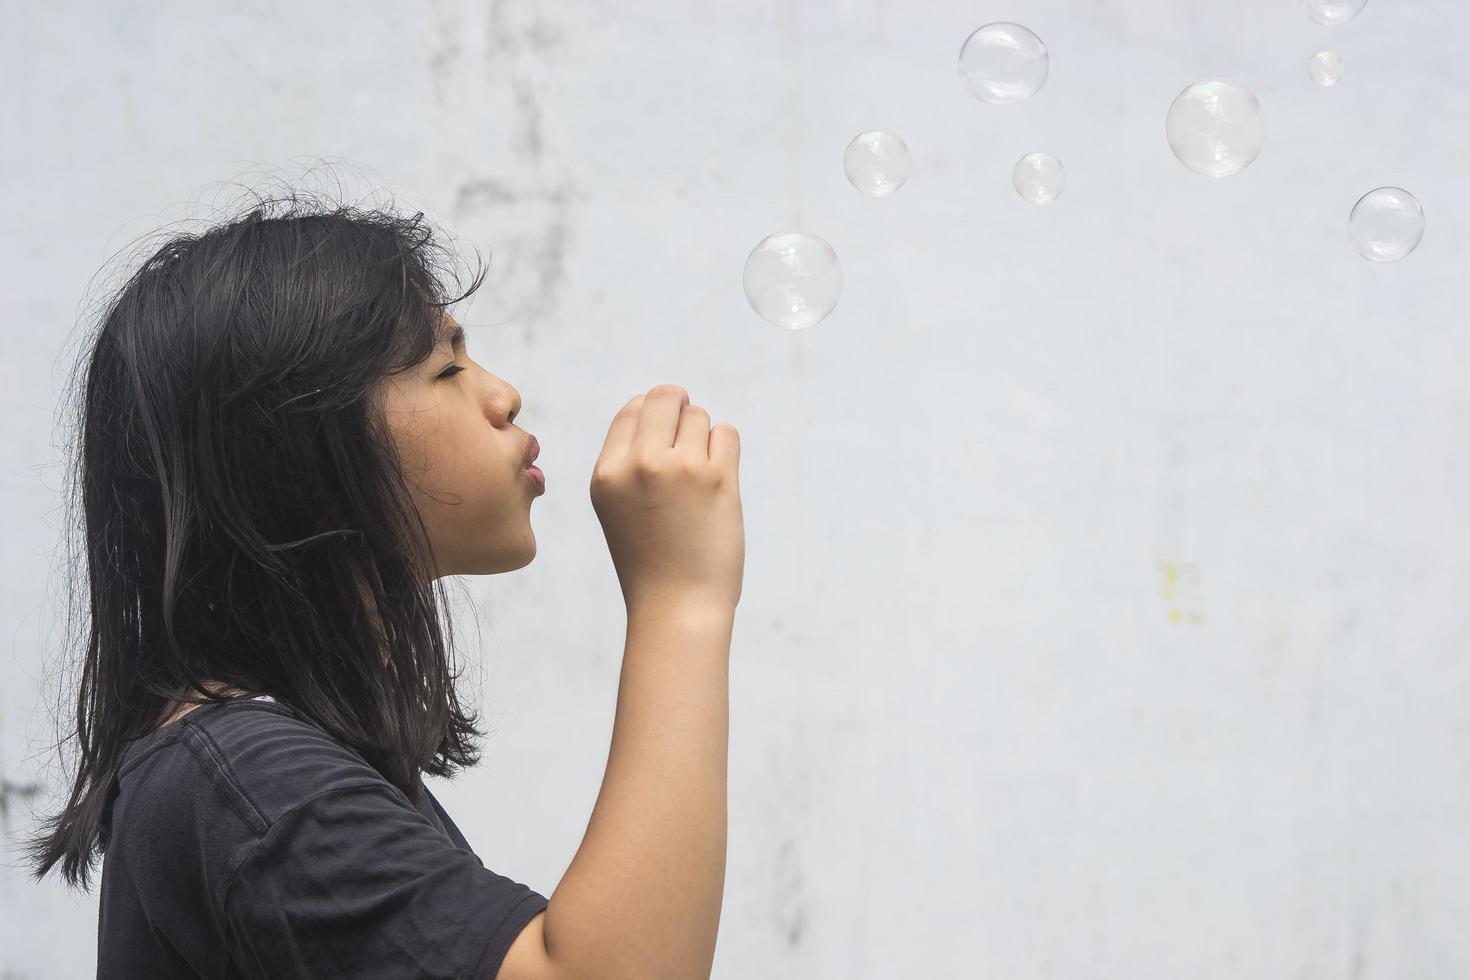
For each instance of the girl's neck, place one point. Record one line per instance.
(176, 709)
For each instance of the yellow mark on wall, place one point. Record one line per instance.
(1181, 593)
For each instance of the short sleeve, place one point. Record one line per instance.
(355, 882)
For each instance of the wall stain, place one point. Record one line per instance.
(446, 54)
(440, 68)
(1358, 965)
(1180, 590)
(24, 792)
(790, 908)
(530, 231)
(529, 107)
(529, 211)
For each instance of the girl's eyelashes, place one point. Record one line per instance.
(450, 371)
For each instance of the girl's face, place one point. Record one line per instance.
(450, 421)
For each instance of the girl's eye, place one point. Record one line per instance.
(450, 371)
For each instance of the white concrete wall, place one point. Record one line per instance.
(972, 735)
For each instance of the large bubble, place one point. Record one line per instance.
(1003, 63)
(793, 279)
(1215, 127)
(1332, 12)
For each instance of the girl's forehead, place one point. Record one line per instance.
(450, 330)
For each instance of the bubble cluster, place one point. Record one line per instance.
(1215, 127)
(793, 279)
(1003, 63)
(876, 163)
(1039, 177)
(1386, 224)
(1332, 12)
(1325, 68)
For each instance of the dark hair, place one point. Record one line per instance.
(245, 518)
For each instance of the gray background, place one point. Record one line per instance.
(1104, 610)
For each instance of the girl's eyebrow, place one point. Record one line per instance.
(455, 337)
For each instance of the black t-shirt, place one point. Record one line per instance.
(247, 842)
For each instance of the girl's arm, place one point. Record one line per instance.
(641, 898)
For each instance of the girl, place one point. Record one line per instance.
(284, 446)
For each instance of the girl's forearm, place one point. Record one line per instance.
(641, 898)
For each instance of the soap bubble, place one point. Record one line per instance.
(1039, 177)
(1325, 68)
(1215, 127)
(793, 279)
(877, 163)
(1331, 12)
(1386, 224)
(1003, 63)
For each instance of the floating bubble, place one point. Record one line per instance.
(1332, 12)
(1215, 127)
(1386, 224)
(1325, 68)
(876, 163)
(793, 279)
(1003, 63)
(1039, 177)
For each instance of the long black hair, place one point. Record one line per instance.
(244, 517)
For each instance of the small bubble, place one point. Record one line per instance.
(1387, 224)
(876, 163)
(1039, 177)
(1325, 68)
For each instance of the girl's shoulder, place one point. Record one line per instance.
(255, 758)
